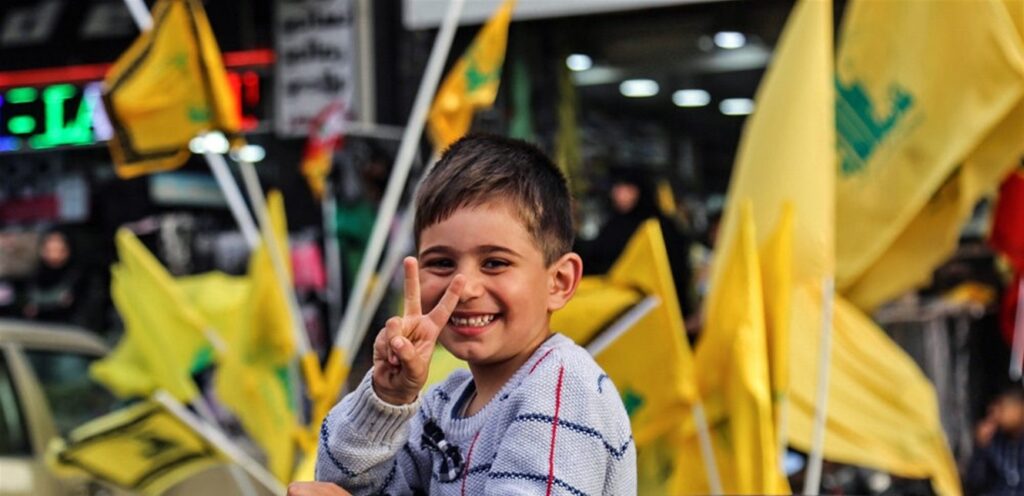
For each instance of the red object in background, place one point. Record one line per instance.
(307, 266)
(1007, 235)
(36, 208)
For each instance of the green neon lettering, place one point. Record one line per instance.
(76, 132)
(22, 124)
(22, 95)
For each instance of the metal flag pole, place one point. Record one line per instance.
(1017, 358)
(812, 484)
(337, 363)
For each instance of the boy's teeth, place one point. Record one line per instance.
(477, 321)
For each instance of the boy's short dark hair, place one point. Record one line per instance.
(481, 168)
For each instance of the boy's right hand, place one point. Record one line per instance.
(403, 348)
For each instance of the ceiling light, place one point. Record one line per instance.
(578, 62)
(736, 106)
(730, 39)
(691, 98)
(215, 142)
(249, 154)
(638, 88)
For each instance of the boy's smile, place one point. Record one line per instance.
(502, 315)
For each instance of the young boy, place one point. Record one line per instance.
(535, 414)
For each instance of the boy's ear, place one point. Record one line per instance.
(565, 275)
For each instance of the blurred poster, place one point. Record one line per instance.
(316, 60)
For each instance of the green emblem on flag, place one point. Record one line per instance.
(858, 131)
(632, 401)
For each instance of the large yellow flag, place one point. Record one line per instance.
(472, 83)
(252, 376)
(777, 280)
(787, 154)
(734, 379)
(143, 448)
(168, 87)
(651, 363)
(164, 340)
(930, 114)
(882, 410)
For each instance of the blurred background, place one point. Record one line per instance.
(643, 104)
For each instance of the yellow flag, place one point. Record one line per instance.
(168, 87)
(787, 152)
(659, 338)
(882, 410)
(927, 123)
(252, 376)
(164, 341)
(777, 281)
(472, 83)
(143, 448)
(734, 378)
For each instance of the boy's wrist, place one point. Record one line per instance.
(393, 398)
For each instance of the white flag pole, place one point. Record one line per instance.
(812, 483)
(1017, 358)
(399, 175)
(217, 438)
(706, 450)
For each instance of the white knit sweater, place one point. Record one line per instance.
(557, 427)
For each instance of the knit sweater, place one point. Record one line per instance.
(556, 427)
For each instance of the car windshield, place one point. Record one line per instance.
(73, 396)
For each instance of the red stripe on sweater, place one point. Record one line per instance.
(554, 430)
(541, 360)
(469, 459)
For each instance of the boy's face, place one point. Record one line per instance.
(504, 309)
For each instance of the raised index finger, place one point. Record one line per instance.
(412, 286)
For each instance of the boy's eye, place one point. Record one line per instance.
(495, 264)
(439, 263)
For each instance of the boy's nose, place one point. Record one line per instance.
(474, 286)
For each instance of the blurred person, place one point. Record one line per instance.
(59, 289)
(997, 464)
(633, 200)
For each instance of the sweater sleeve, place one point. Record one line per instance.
(568, 434)
(363, 445)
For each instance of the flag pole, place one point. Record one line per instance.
(217, 438)
(309, 361)
(706, 450)
(332, 256)
(234, 198)
(1017, 358)
(392, 193)
(812, 484)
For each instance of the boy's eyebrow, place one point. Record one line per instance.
(440, 249)
(486, 249)
(497, 249)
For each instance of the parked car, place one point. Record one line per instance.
(46, 392)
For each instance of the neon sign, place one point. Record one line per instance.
(73, 115)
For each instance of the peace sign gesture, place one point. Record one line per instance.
(402, 350)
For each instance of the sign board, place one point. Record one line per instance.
(316, 61)
(424, 14)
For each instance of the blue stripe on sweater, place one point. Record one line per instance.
(537, 478)
(616, 453)
(327, 449)
(389, 479)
